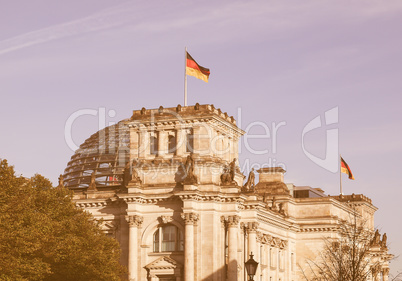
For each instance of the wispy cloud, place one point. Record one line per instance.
(105, 19)
(268, 17)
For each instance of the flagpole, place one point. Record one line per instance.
(185, 77)
(340, 172)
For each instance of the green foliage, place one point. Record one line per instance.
(44, 236)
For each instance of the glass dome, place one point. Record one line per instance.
(104, 153)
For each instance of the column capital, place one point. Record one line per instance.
(233, 221)
(165, 219)
(252, 227)
(190, 218)
(134, 221)
(259, 236)
(223, 221)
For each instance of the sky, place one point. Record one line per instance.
(305, 79)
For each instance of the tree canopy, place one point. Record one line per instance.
(44, 236)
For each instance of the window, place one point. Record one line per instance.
(189, 143)
(171, 144)
(168, 238)
(153, 145)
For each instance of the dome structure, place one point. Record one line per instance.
(153, 140)
(102, 154)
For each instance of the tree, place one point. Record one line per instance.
(398, 277)
(355, 255)
(44, 236)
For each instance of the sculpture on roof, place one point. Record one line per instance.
(228, 175)
(61, 181)
(226, 178)
(190, 177)
(282, 210)
(384, 241)
(130, 174)
(376, 239)
(250, 183)
(274, 207)
(134, 174)
(92, 183)
(127, 174)
(232, 169)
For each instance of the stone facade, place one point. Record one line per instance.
(168, 186)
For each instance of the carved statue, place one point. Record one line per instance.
(226, 178)
(282, 209)
(376, 239)
(273, 206)
(92, 183)
(127, 177)
(249, 186)
(130, 174)
(384, 241)
(232, 169)
(190, 178)
(61, 181)
(134, 175)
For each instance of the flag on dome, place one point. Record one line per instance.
(345, 169)
(196, 70)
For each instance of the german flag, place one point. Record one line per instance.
(196, 70)
(345, 169)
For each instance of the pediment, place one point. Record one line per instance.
(163, 263)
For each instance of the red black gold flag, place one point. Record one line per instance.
(345, 169)
(196, 70)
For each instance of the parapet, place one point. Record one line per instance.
(183, 111)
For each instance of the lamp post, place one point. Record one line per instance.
(251, 267)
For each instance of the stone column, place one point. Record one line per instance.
(233, 228)
(134, 222)
(162, 143)
(143, 143)
(189, 219)
(181, 141)
(385, 273)
(134, 142)
(252, 238)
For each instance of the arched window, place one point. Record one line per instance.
(153, 145)
(168, 238)
(171, 144)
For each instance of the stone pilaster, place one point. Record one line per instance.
(143, 143)
(134, 222)
(181, 141)
(252, 228)
(233, 228)
(190, 219)
(162, 143)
